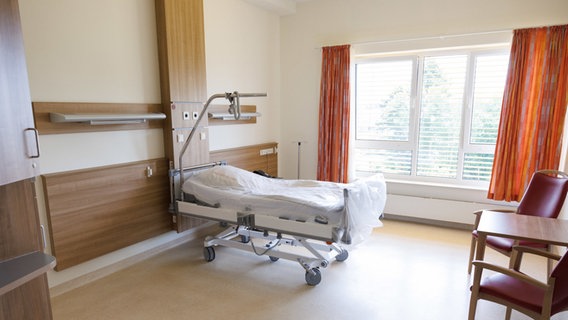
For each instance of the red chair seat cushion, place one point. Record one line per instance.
(513, 290)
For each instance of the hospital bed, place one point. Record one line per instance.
(307, 221)
(275, 217)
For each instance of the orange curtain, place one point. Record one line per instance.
(333, 136)
(533, 110)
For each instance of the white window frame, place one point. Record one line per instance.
(467, 112)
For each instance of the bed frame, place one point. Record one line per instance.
(271, 236)
(275, 233)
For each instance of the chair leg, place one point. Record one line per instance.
(472, 307)
(474, 293)
(549, 262)
(471, 253)
(549, 267)
(508, 313)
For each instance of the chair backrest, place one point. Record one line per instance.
(545, 194)
(560, 295)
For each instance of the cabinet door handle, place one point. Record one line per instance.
(43, 240)
(34, 130)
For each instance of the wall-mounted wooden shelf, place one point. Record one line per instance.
(19, 270)
(105, 118)
(71, 117)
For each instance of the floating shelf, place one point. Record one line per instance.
(65, 111)
(19, 270)
(219, 115)
(230, 116)
(103, 119)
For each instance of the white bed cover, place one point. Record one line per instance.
(301, 200)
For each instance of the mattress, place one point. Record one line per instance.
(229, 187)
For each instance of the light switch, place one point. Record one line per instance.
(202, 136)
(180, 137)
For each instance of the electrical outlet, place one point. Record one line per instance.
(185, 115)
(264, 152)
(195, 115)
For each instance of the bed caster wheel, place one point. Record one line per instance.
(313, 276)
(209, 254)
(342, 256)
(273, 259)
(245, 239)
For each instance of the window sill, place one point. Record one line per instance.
(441, 191)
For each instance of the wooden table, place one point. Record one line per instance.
(520, 227)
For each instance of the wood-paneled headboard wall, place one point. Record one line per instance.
(255, 157)
(94, 211)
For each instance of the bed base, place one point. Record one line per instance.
(318, 255)
(277, 237)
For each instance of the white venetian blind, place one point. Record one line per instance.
(441, 105)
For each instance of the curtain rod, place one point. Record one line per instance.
(427, 38)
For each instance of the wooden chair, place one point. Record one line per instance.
(516, 290)
(543, 197)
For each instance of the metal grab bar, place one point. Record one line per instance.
(175, 172)
(234, 108)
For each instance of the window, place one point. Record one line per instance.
(429, 117)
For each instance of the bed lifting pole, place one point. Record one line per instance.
(234, 108)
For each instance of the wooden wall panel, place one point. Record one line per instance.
(198, 149)
(92, 212)
(181, 50)
(249, 157)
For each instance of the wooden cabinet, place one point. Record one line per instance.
(24, 293)
(18, 143)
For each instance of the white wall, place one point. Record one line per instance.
(320, 23)
(242, 46)
(93, 51)
(106, 51)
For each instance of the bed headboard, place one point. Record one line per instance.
(94, 211)
(255, 157)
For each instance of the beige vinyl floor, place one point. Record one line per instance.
(403, 271)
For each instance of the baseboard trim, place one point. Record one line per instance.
(438, 223)
(129, 261)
